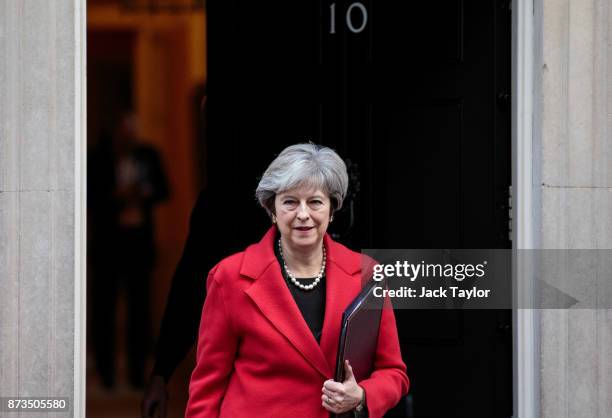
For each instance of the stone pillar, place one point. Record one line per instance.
(38, 104)
(575, 72)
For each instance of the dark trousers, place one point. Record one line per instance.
(126, 267)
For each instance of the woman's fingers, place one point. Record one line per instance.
(327, 403)
(336, 409)
(334, 396)
(341, 397)
(348, 372)
(331, 409)
(333, 386)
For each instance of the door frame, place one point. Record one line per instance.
(526, 46)
(80, 206)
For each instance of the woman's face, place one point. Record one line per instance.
(302, 216)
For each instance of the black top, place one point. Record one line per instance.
(310, 302)
(312, 305)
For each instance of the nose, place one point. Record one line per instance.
(302, 212)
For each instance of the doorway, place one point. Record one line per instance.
(318, 126)
(148, 63)
(417, 97)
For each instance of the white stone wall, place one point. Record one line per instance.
(37, 186)
(575, 71)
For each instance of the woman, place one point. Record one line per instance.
(271, 321)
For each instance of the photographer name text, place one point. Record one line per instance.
(441, 292)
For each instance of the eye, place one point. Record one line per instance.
(289, 202)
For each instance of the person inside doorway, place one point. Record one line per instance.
(127, 182)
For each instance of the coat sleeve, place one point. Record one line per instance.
(216, 351)
(389, 382)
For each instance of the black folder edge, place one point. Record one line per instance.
(346, 316)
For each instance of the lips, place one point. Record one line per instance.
(304, 228)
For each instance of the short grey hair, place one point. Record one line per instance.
(304, 165)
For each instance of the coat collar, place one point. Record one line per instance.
(273, 298)
(258, 257)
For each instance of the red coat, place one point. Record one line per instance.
(256, 356)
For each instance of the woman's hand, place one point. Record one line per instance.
(342, 397)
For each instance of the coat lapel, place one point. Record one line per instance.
(271, 295)
(341, 289)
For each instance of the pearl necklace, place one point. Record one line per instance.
(295, 281)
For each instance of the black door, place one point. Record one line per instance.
(415, 94)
